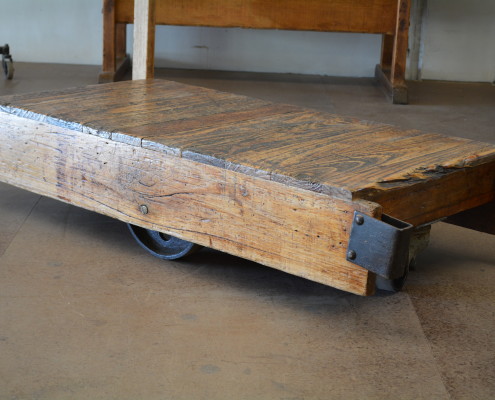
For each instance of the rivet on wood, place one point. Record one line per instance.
(359, 219)
(351, 255)
(144, 209)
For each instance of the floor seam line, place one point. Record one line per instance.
(20, 226)
(442, 377)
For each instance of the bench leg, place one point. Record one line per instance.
(391, 71)
(115, 60)
(143, 60)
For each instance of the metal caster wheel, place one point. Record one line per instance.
(394, 285)
(8, 68)
(7, 62)
(419, 241)
(162, 245)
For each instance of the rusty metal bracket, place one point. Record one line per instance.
(380, 246)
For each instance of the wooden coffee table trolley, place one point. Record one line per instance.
(328, 198)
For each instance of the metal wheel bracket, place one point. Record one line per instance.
(380, 246)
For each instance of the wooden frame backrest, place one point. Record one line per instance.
(366, 16)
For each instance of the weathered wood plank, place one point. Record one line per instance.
(297, 231)
(436, 193)
(325, 153)
(376, 16)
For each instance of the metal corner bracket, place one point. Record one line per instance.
(380, 246)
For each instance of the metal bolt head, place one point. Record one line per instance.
(351, 255)
(359, 219)
(144, 209)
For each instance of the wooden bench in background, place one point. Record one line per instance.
(389, 18)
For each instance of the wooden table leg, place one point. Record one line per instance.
(144, 39)
(115, 60)
(391, 71)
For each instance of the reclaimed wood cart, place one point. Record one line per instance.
(332, 199)
(389, 18)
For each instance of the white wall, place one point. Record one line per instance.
(457, 39)
(267, 50)
(459, 42)
(58, 31)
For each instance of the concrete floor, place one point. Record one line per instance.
(85, 313)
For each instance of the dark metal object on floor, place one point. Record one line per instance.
(7, 62)
(161, 245)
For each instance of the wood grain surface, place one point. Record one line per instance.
(369, 16)
(294, 230)
(415, 176)
(276, 184)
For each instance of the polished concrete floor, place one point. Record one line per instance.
(85, 313)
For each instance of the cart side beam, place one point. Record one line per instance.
(481, 219)
(294, 230)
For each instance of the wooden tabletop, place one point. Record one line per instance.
(322, 152)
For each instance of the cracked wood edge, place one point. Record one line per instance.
(297, 231)
(436, 192)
